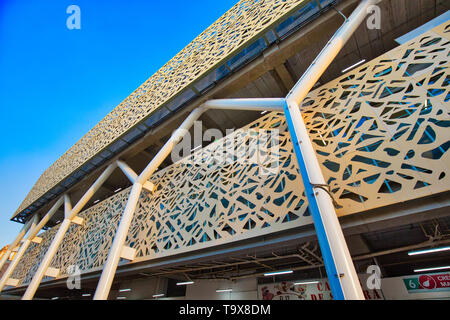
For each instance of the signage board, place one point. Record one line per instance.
(314, 290)
(427, 282)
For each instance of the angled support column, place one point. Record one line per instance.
(34, 230)
(129, 173)
(70, 216)
(115, 253)
(132, 176)
(41, 271)
(341, 272)
(16, 242)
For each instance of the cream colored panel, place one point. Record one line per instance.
(381, 133)
(226, 36)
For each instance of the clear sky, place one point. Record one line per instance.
(56, 83)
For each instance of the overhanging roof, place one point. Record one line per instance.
(241, 34)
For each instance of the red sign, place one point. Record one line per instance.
(434, 281)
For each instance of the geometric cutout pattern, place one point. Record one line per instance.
(382, 130)
(229, 34)
(381, 136)
(30, 261)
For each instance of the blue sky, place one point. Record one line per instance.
(56, 83)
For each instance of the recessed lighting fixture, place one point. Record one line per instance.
(121, 298)
(124, 290)
(96, 201)
(55, 298)
(184, 283)
(117, 190)
(355, 65)
(86, 295)
(305, 282)
(158, 295)
(432, 269)
(275, 273)
(425, 251)
(224, 290)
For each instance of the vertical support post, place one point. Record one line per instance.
(341, 272)
(69, 214)
(16, 241)
(34, 230)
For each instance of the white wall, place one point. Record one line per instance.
(245, 289)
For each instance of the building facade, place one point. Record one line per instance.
(235, 208)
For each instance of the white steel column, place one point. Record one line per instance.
(131, 175)
(69, 215)
(341, 272)
(40, 272)
(16, 241)
(110, 266)
(114, 255)
(34, 230)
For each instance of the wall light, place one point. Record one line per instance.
(425, 251)
(305, 282)
(355, 65)
(275, 273)
(431, 269)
